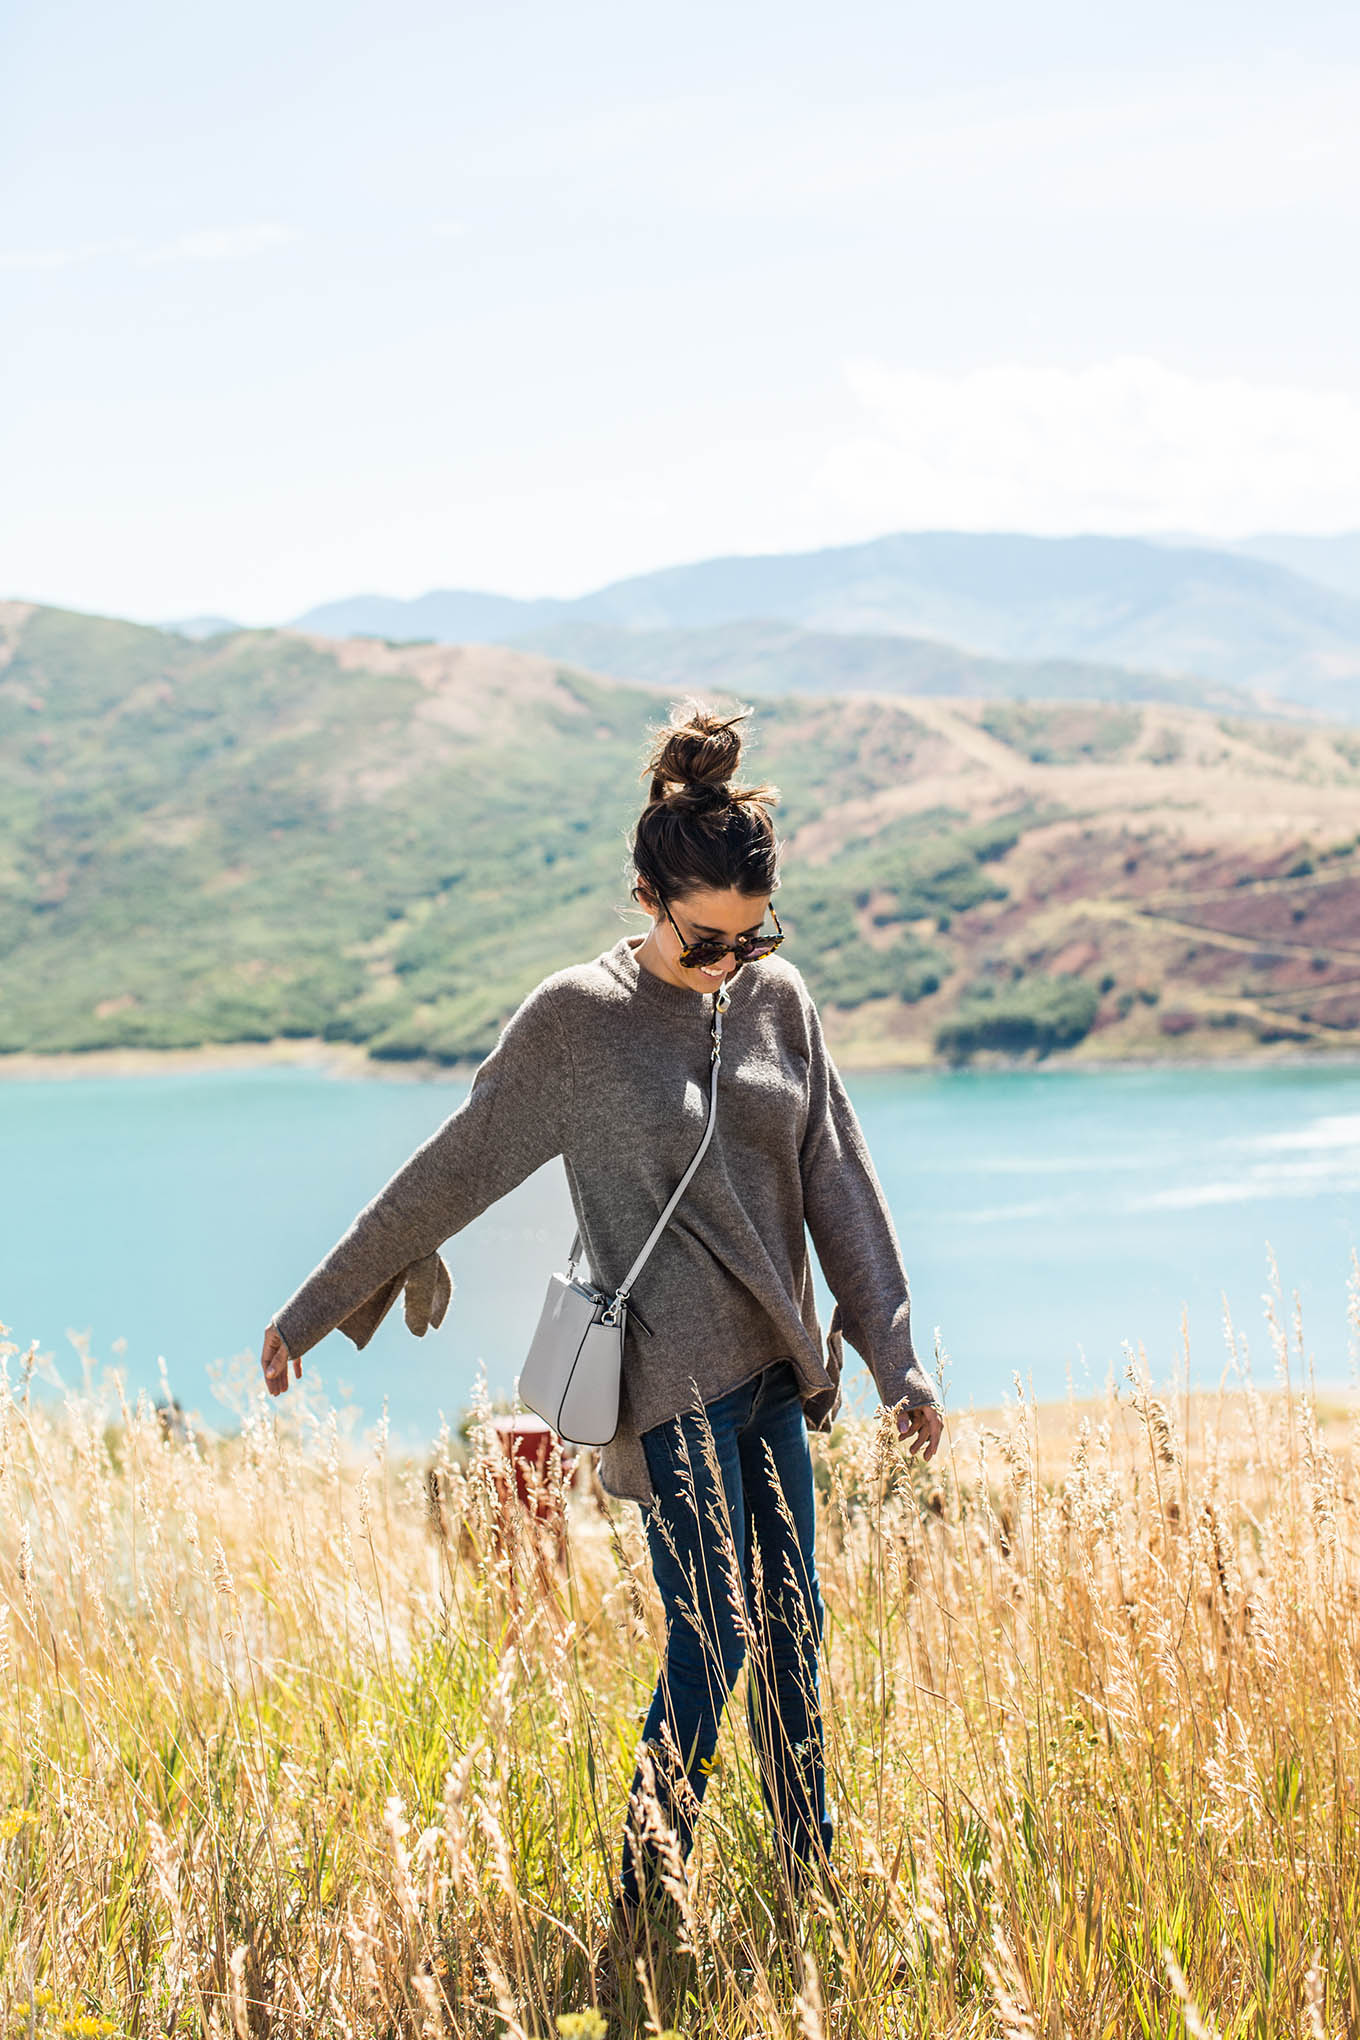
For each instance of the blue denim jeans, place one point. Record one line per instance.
(709, 1537)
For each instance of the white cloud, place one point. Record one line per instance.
(213, 244)
(1124, 445)
(223, 244)
(65, 258)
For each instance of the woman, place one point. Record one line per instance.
(606, 1063)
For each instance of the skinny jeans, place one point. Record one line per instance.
(731, 1535)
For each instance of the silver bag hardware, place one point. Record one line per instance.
(571, 1374)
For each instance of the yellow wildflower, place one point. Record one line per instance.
(588, 2025)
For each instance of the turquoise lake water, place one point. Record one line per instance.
(1046, 1216)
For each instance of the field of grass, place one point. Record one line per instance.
(299, 1740)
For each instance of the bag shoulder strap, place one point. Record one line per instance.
(721, 1000)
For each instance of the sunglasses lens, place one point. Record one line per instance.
(699, 955)
(704, 953)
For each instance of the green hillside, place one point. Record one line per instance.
(261, 836)
(269, 835)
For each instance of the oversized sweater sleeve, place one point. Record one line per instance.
(852, 1230)
(513, 1119)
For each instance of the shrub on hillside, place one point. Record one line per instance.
(1038, 1014)
(856, 971)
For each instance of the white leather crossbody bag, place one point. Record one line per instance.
(571, 1374)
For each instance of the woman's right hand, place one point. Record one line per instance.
(274, 1360)
(922, 1426)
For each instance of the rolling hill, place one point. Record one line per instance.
(1333, 560)
(270, 834)
(779, 658)
(1188, 611)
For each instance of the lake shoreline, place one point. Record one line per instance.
(348, 1060)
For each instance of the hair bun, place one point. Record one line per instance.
(704, 792)
(700, 828)
(696, 757)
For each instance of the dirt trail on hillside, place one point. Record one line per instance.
(1243, 793)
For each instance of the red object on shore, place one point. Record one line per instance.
(527, 1443)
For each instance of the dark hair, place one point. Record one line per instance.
(698, 830)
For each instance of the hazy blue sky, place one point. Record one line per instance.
(301, 300)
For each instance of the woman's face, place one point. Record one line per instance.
(720, 914)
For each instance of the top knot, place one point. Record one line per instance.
(706, 793)
(701, 828)
(695, 757)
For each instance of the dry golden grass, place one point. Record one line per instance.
(287, 1746)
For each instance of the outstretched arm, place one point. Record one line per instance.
(852, 1230)
(514, 1119)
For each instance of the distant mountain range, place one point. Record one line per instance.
(1332, 561)
(779, 658)
(198, 627)
(925, 612)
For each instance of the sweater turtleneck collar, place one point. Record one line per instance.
(659, 991)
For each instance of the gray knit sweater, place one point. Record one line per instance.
(607, 1065)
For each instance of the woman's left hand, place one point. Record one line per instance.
(274, 1360)
(922, 1428)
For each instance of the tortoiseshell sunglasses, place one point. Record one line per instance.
(746, 948)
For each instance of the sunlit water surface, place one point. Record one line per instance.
(1049, 1219)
